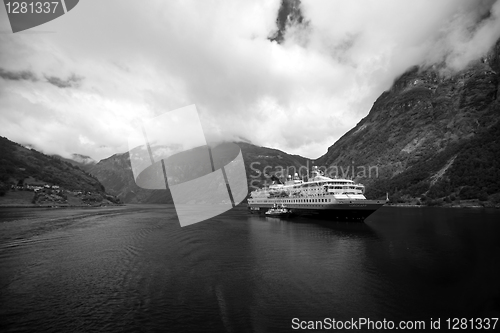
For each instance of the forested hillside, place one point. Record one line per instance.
(47, 179)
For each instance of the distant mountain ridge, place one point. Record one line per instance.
(81, 161)
(115, 173)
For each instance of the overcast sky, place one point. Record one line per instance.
(78, 83)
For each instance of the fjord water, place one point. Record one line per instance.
(135, 269)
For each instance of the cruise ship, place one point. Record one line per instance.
(328, 198)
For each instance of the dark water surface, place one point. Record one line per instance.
(135, 269)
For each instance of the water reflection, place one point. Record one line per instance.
(135, 269)
(314, 268)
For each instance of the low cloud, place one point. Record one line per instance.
(17, 75)
(297, 87)
(72, 81)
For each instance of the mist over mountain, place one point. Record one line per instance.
(82, 161)
(313, 67)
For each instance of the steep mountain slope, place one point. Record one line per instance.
(425, 132)
(18, 163)
(25, 169)
(116, 174)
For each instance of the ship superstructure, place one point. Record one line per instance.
(332, 198)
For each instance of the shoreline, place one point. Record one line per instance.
(59, 207)
(400, 205)
(444, 206)
(28, 199)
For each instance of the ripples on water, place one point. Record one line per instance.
(135, 269)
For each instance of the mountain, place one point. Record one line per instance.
(434, 136)
(289, 14)
(115, 173)
(81, 161)
(263, 162)
(24, 168)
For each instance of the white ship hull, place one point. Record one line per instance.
(324, 207)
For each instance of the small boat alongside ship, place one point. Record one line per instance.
(332, 199)
(279, 211)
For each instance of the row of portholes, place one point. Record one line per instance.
(298, 201)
